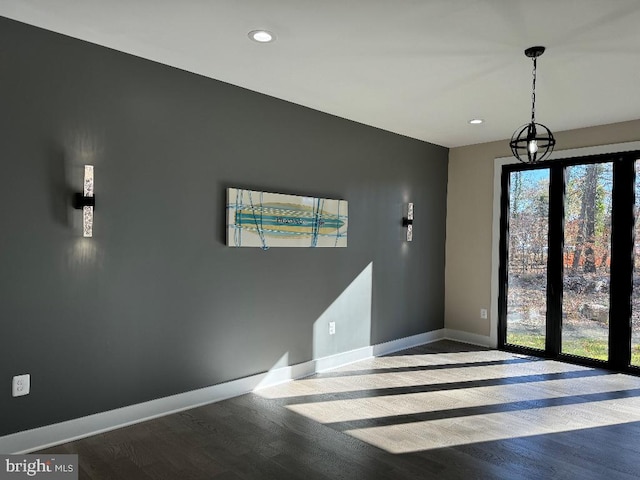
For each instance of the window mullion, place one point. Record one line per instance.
(554, 268)
(622, 240)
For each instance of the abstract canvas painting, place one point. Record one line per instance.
(262, 219)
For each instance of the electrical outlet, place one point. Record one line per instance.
(483, 313)
(21, 385)
(332, 328)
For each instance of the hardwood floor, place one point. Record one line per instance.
(442, 411)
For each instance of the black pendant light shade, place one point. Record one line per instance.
(532, 142)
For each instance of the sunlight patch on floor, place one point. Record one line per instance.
(373, 407)
(441, 376)
(421, 360)
(469, 397)
(450, 432)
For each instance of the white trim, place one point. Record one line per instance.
(470, 338)
(495, 229)
(407, 342)
(56, 434)
(340, 359)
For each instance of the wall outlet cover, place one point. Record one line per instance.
(21, 385)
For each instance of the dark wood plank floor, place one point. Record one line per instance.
(442, 411)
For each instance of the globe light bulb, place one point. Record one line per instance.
(532, 146)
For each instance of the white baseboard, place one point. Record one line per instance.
(56, 434)
(407, 342)
(471, 338)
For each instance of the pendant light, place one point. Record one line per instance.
(532, 142)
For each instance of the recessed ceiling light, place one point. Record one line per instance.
(476, 121)
(261, 36)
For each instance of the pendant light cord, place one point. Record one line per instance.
(533, 142)
(533, 94)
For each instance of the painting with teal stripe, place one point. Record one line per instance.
(262, 219)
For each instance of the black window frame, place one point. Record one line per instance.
(622, 259)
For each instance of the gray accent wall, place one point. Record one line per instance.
(155, 304)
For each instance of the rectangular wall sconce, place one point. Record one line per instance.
(408, 222)
(87, 202)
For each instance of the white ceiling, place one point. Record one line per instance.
(421, 68)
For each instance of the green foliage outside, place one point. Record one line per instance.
(584, 347)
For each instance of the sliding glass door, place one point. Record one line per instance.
(569, 264)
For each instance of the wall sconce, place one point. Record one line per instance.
(408, 222)
(86, 201)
